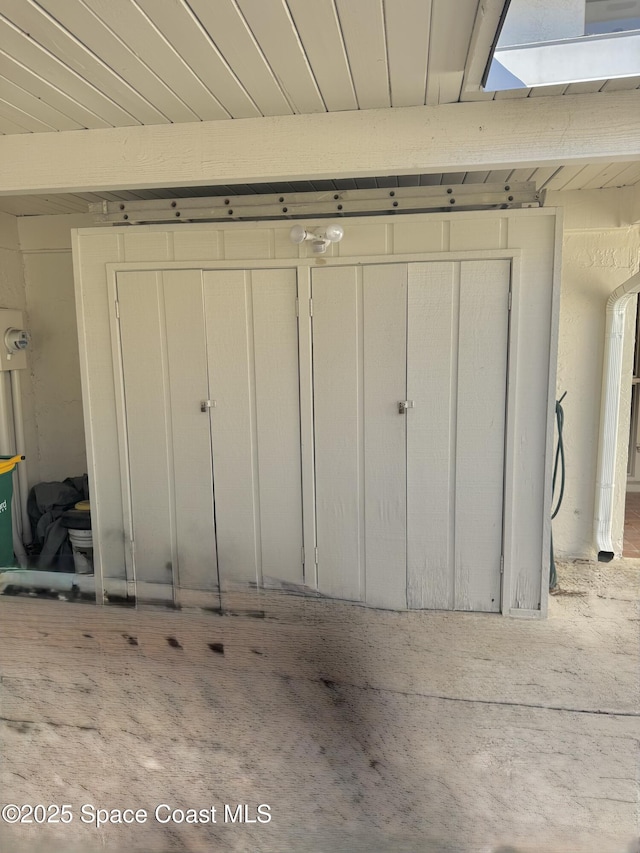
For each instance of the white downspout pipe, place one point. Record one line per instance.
(18, 423)
(6, 449)
(610, 413)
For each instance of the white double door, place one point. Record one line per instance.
(211, 401)
(409, 376)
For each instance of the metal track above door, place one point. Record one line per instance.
(318, 204)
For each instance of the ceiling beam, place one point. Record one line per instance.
(487, 135)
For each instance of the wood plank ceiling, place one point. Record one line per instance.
(83, 64)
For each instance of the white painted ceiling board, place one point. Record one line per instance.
(366, 183)
(88, 198)
(237, 44)
(30, 206)
(49, 34)
(47, 66)
(75, 64)
(452, 178)
(586, 173)
(302, 186)
(56, 97)
(93, 32)
(448, 49)
(69, 204)
(584, 88)
(541, 176)
(133, 27)
(362, 23)
(389, 181)
(476, 177)
(21, 119)
(422, 181)
(608, 173)
(345, 184)
(274, 29)
(36, 107)
(562, 177)
(547, 91)
(621, 83)
(518, 175)
(512, 93)
(499, 177)
(319, 30)
(630, 174)
(408, 23)
(477, 96)
(184, 31)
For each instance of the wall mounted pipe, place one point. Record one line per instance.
(23, 479)
(610, 413)
(6, 449)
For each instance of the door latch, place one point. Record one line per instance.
(403, 405)
(205, 405)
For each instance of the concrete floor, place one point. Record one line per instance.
(362, 730)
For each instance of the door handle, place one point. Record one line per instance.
(403, 405)
(205, 405)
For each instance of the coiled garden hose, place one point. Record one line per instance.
(559, 463)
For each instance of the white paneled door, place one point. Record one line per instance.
(410, 380)
(211, 401)
(409, 398)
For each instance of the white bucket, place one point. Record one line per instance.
(82, 547)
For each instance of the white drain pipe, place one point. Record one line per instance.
(6, 449)
(23, 479)
(610, 413)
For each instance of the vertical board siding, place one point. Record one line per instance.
(94, 310)
(240, 334)
(150, 442)
(148, 244)
(432, 351)
(226, 311)
(337, 360)
(385, 380)
(485, 235)
(482, 379)
(277, 404)
(201, 244)
(531, 507)
(192, 472)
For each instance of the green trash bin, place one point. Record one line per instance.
(7, 464)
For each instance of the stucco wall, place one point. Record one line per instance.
(45, 242)
(12, 295)
(601, 249)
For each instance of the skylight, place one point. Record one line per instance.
(546, 42)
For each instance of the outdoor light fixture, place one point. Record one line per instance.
(320, 237)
